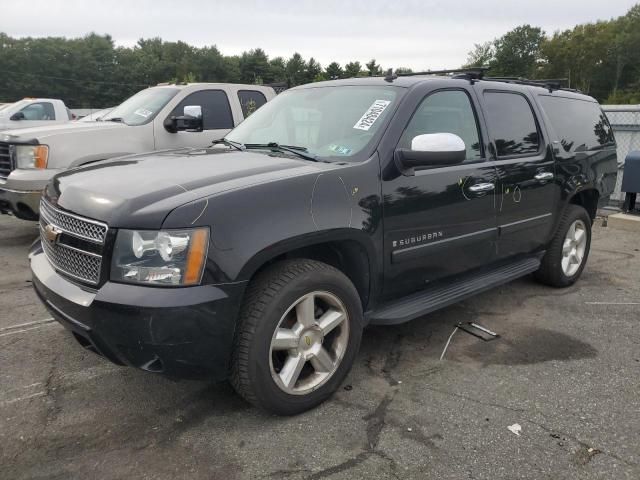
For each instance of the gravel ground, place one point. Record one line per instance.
(566, 369)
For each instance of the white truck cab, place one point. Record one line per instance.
(157, 118)
(33, 112)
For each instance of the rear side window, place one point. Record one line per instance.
(250, 101)
(580, 125)
(216, 112)
(512, 124)
(39, 111)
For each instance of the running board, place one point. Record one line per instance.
(440, 296)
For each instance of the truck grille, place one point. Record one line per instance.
(66, 252)
(73, 225)
(6, 165)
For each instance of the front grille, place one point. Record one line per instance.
(6, 165)
(74, 225)
(72, 260)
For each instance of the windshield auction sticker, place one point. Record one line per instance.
(143, 112)
(371, 115)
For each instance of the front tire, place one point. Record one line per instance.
(298, 335)
(568, 252)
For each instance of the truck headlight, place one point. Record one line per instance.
(166, 257)
(31, 156)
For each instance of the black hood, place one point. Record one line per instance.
(140, 190)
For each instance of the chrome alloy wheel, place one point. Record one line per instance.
(574, 247)
(309, 343)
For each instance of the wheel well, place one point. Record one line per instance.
(348, 256)
(587, 199)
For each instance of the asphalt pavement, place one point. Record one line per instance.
(566, 369)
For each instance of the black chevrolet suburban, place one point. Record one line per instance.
(339, 204)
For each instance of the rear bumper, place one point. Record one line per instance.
(180, 332)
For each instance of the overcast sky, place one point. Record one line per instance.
(419, 34)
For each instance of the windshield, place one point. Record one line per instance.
(142, 107)
(327, 121)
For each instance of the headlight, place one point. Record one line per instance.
(167, 257)
(31, 156)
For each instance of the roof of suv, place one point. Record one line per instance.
(412, 80)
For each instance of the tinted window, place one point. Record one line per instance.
(446, 112)
(512, 124)
(216, 112)
(579, 124)
(39, 111)
(250, 101)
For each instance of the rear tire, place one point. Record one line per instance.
(568, 252)
(298, 335)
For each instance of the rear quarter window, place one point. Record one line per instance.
(579, 124)
(250, 101)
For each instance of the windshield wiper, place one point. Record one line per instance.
(113, 119)
(230, 143)
(301, 152)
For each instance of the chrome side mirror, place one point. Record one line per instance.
(431, 150)
(194, 111)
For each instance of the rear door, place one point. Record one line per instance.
(527, 191)
(217, 121)
(440, 221)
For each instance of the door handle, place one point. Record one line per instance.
(544, 176)
(482, 187)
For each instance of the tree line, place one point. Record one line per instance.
(601, 59)
(93, 72)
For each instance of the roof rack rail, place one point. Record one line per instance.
(550, 84)
(472, 73)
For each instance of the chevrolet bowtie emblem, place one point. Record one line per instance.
(307, 340)
(51, 233)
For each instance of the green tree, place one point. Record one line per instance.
(296, 70)
(277, 70)
(373, 68)
(333, 71)
(314, 71)
(517, 52)
(352, 69)
(254, 66)
(482, 55)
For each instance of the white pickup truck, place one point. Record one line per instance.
(33, 112)
(157, 118)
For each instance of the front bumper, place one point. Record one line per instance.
(24, 204)
(20, 192)
(179, 332)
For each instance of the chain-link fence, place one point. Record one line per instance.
(625, 121)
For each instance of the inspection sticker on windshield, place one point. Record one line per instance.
(143, 112)
(371, 115)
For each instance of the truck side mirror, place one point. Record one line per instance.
(431, 150)
(17, 116)
(190, 121)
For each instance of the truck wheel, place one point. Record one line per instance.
(298, 334)
(567, 254)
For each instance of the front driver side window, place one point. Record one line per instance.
(448, 111)
(39, 111)
(216, 112)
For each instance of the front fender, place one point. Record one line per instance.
(252, 225)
